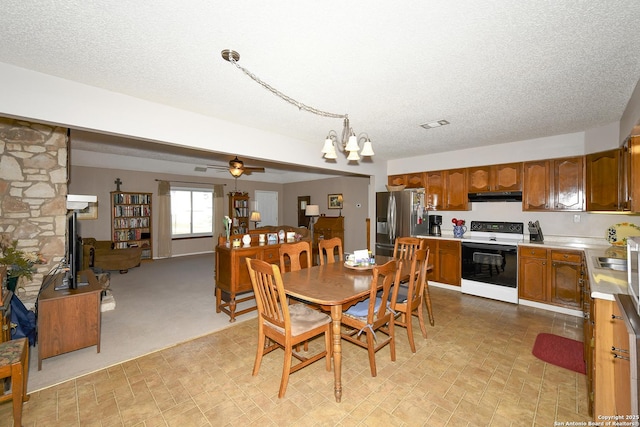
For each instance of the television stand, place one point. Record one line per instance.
(68, 319)
(64, 283)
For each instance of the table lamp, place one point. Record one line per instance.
(312, 211)
(255, 217)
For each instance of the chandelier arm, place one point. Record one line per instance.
(285, 97)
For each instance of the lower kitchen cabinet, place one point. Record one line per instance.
(550, 276)
(532, 274)
(566, 279)
(445, 256)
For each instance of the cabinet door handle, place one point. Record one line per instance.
(621, 350)
(613, 316)
(617, 356)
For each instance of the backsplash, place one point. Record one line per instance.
(590, 225)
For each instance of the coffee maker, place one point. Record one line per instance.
(435, 221)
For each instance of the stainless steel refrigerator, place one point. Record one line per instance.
(398, 214)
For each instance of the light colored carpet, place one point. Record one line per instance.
(158, 305)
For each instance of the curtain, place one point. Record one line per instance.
(164, 219)
(218, 212)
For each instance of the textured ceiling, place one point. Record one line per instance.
(498, 71)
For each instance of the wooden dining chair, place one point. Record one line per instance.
(374, 314)
(409, 300)
(328, 247)
(284, 325)
(293, 253)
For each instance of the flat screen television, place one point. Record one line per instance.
(73, 255)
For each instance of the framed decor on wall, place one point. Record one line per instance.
(90, 212)
(335, 201)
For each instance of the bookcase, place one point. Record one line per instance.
(239, 212)
(131, 221)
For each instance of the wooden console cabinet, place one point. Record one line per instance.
(68, 319)
(232, 276)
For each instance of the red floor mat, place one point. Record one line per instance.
(560, 351)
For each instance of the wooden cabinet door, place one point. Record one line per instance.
(603, 181)
(532, 274)
(621, 367)
(568, 184)
(507, 177)
(415, 180)
(449, 262)
(432, 244)
(479, 179)
(634, 174)
(435, 190)
(565, 284)
(456, 190)
(536, 185)
(397, 180)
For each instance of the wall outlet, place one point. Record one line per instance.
(576, 218)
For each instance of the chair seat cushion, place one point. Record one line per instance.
(303, 319)
(361, 309)
(11, 351)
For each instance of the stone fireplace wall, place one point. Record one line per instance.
(33, 189)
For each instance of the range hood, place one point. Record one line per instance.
(496, 196)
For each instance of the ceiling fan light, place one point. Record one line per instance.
(367, 149)
(353, 155)
(236, 172)
(352, 145)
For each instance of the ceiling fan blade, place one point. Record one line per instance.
(248, 169)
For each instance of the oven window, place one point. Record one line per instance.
(488, 263)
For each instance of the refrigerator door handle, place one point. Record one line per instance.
(392, 204)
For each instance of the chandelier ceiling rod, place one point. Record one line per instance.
(349, 141)
(233, 57)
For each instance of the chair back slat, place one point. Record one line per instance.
(405, 247)
(328, 247)
(269, 292)
(293, 252)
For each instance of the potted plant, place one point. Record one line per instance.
(19, 263)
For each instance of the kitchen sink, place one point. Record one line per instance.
(617, 264)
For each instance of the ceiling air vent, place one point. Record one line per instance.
(435, 124)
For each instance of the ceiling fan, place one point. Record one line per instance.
(237, 168)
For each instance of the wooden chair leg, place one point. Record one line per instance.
(409, 323)
(259, 354)
(392, 343)
(286, 369)
(427, 299)
(423, 328)
(372, 353)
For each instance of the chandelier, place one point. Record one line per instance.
(347, 142)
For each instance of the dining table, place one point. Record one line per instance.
(334, 287)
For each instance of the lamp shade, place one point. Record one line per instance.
(312, 210)
(255, 216)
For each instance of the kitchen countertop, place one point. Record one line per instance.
(604, 283)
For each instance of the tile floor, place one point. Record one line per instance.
(474, 369)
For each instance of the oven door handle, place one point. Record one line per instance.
(489, 246)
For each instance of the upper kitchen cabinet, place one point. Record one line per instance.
(634, 173)
(410, 180)
(504, 177)
(415, 180)
(553, 185)
(447, 190)
(568, 184)
(456, 192)
(395, 180)
(606, 181)
(435, 190)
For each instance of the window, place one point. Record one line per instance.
(191, 212)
